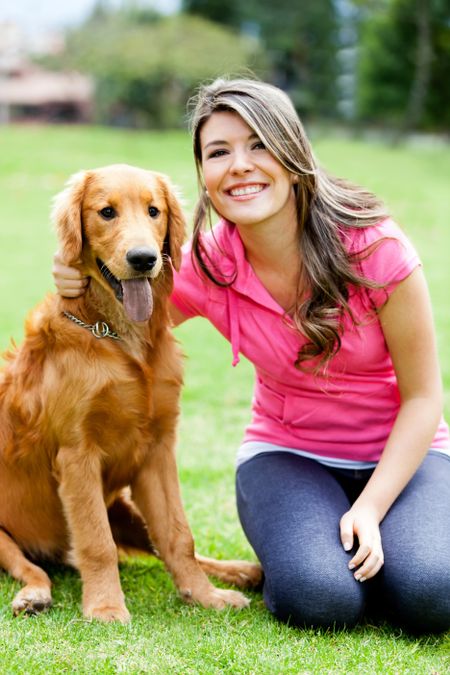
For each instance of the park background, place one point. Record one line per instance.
(370, 79)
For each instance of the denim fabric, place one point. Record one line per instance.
(290, 509)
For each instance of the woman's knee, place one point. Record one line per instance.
(318, 597)
(418, 595)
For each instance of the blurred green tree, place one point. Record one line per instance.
(405, 63)
(227, 12)
(146, 66)
(301, 40)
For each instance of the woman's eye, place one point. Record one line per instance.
(258, 146)
(216, 153)
(153, 212)
(108, 213)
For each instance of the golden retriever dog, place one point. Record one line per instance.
(89, 406)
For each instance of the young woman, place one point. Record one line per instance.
(343, 479)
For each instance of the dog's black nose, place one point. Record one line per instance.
(142, 259)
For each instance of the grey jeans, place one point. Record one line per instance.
(290, 508)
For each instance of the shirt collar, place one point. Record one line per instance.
(246, 282)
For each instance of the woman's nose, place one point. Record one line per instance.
(241, 162)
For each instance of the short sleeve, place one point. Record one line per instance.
(190, 293)
(387, 258)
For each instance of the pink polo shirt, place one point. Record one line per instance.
(349, 413)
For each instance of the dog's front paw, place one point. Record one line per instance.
(108, 613)
(217, 598)
(32, 600)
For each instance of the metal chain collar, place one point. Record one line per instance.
(98, 330)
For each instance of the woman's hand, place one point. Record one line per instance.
(363, 522)
(68, 280)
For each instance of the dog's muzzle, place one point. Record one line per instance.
(135, 293)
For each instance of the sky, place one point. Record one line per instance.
(37, 16)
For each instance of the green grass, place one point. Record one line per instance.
(166, 636)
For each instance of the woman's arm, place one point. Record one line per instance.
(407, 323)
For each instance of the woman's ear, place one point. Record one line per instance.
(66, 217)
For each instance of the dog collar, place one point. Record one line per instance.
(100, 329)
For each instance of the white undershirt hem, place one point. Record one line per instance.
(250, 449)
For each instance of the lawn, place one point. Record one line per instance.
(166, 636)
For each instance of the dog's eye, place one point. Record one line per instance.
(153, 211)
(108, 213)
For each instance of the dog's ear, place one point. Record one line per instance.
(66, 217)
(176, 224)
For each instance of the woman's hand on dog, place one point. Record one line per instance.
(69, 281)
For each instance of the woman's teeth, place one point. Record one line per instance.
(248, 190)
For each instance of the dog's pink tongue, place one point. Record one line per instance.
(137, 299)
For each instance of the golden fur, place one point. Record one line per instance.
(81, 418)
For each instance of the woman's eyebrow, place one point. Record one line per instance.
(220, 142)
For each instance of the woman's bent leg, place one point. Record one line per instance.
(414, 584)
(290, 509)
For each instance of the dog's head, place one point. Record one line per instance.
(121, 223)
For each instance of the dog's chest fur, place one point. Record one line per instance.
(123, 412)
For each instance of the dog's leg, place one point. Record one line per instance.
(94, 550)
(157, 495)
(35, 596)
(131, 536)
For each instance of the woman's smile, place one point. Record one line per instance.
(246, 191)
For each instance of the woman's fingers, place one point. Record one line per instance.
(60, 269)
(69, 281)
(73, 289)
(372, 564)
(361, 554)
(368, 558)
(346, 527)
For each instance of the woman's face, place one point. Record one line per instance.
(246, 184)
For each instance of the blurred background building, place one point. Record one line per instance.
(30, 92)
